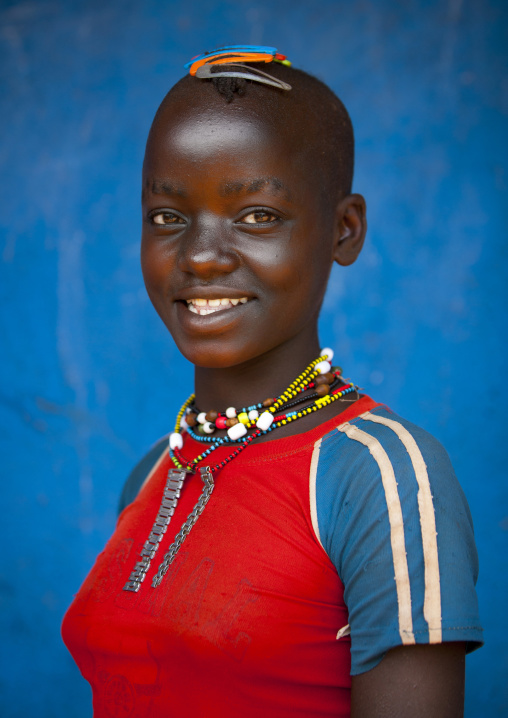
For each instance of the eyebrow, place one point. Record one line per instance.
(162, 186)
(170, 189)
(251, 186)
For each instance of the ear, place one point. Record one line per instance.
(350, 229)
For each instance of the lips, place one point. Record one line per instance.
(201, 306)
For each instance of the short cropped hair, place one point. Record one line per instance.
(311, 106)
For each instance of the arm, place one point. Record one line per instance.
(396, 592)
(419, 681)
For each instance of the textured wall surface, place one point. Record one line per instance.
(90, 378)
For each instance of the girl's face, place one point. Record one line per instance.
(237, 243)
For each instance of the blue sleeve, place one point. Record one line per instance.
(394, 520)
(136, 478)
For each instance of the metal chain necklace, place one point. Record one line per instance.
(177, 475)
(167, 508)
(207, 478)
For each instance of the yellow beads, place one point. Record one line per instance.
(323, 401)
(298, 385)
(181, 413)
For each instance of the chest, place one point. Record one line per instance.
(251, 594)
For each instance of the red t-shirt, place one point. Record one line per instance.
(245, 621)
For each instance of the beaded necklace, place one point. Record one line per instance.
(332, 380)
(328, 388)
(209, 422)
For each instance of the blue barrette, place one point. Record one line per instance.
(234, 56)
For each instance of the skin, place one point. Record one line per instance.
(229, 211)
(412, 682)
(233, 206)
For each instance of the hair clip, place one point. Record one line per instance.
(249, 73)
(235, 56)
(226, 58)
(229, 49)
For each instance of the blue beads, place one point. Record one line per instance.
(259, 405)
(198, 437)
(208, 439)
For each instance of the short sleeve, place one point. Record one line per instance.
(393, 519)
(136, 478)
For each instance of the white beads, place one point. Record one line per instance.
(208, 427)
(183, 423)
(327, 352)
(175, 441)
(237, 431)
(253, 414)
(201, 417)
(323, 367)
(231, 412)
(265, 421)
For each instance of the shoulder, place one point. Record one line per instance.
(387, 508)
(381, 457)
(139, 473)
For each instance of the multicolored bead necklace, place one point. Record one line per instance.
(325, 383)
(318, 376)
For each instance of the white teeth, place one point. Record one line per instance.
(209, 306)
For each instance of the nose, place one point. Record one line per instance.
(207, 251)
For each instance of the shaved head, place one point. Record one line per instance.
(310, 115)
(247, 188)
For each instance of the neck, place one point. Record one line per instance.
(255, 380)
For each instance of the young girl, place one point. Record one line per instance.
(297, 549)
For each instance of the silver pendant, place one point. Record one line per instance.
(172, 490)
(169, 556)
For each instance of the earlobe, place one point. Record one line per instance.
(351, 227)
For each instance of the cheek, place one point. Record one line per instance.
(299, 270)
(156, 263)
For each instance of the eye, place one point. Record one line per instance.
(165, 217)
(259, 216)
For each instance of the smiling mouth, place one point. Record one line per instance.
(210, 306)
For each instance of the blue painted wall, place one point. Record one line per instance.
(88, 370)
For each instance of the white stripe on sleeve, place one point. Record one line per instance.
(432, 600)
(312, 489)
(396, 528)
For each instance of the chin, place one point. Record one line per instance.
(210, 355)
(215, 354)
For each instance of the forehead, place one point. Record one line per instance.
(195, 121)
(223, 158)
